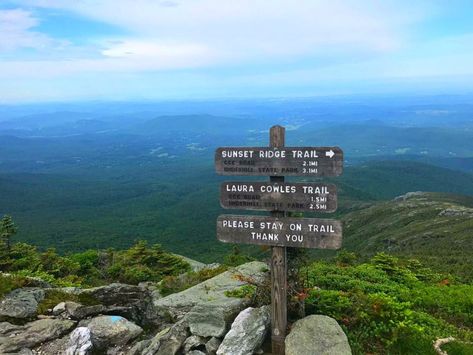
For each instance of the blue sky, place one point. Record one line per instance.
(61, 50)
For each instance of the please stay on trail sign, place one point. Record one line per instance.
(286, 232)
(278, 230)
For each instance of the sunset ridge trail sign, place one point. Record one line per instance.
(267, 196)
(278, 230)
(290, 161)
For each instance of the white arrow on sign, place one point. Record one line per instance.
(330, 153)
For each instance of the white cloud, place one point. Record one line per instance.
(244, 43)
(166, 35)
(251, 29)
(15, 31)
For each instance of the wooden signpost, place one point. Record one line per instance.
(278, 230)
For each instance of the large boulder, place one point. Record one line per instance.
(21, 304)
(116, 294)
(129, 301)
(247, 332)
(317, 334)
(35, 333)
(211, 292)
(107, 331)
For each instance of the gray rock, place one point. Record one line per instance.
(8, 328)
(21, 303)
(78, 311)
(247, 332)
(208, 320)
(212, 291)
(139, 347)
(193, 342)
(116, 294)
(80, 342)
(59, 308)
(212, 345)
(195, 352)
(317, 334)
(112, 330)
(168, 341)
(35, 333)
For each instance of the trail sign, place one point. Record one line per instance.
(289, 161)
(268, 196)
(285, 232)
(276, 196)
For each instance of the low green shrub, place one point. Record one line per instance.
(245, 291)
(92, 268)
(390, 306)
(9, 283)
(458, 348)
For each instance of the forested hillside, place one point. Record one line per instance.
(434, 228)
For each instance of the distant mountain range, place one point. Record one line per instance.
(98, 176)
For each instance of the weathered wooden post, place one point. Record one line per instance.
(278, 266)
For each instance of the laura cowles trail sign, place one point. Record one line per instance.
(278, 230)
(271, 196)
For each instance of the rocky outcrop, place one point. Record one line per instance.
(195, 321)
(409, 195)
(21, 304)
(34, 333)
(317, 334)
(457, 212)
(247, 332)
(211, 293)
